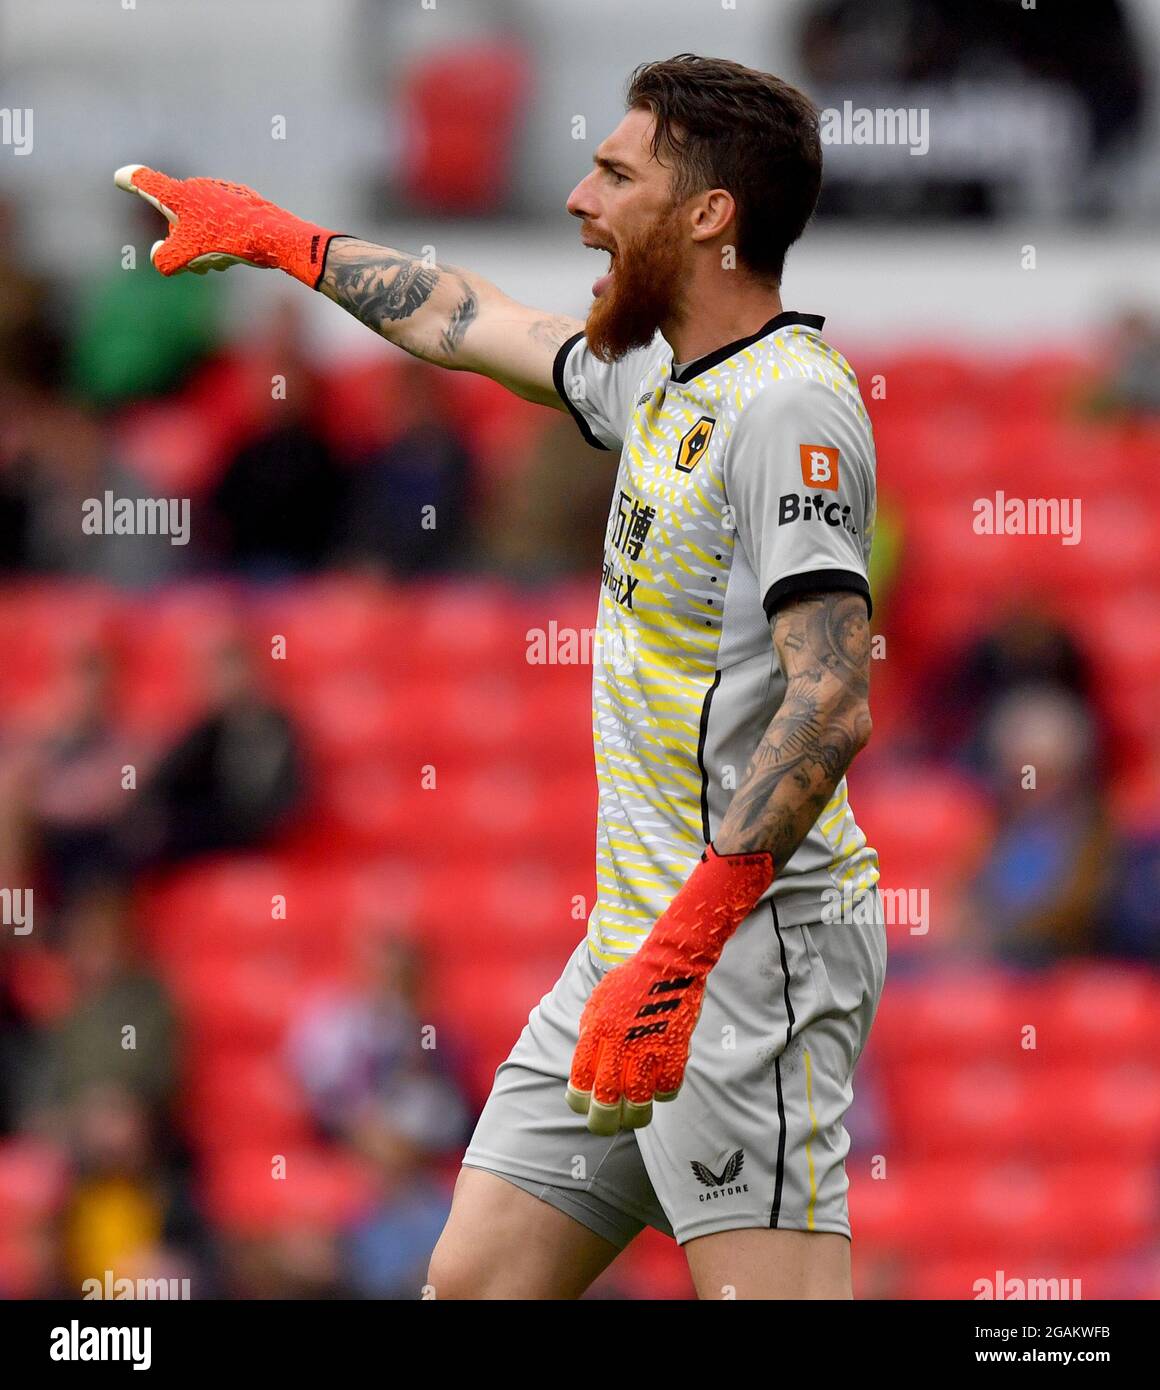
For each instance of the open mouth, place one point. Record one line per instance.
(601, 285)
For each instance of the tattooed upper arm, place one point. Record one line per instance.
(825, 637)
(553, 331)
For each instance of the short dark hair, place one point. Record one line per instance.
(728, 126)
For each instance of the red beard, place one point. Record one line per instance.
(645, 292)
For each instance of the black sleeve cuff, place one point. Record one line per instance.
(813, 582)
(558, 382)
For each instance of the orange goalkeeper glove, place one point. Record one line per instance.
(214, 224)
(638, 1022)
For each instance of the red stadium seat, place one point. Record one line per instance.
(950, 1017)
(247, 1002)
(500, 809)
(464, 625)
(174, 446)
(1012, 1274)
(1003, 1214)
(249, 1192)
(500, 429)
(244, 907)
(244, 1100)
(905, 1208)
(33, 1181)
(1024, 1106)
(504, 906)
(1097, 1010)
(359, 404)
(484, 1004)
(1047, 382)
(47, 631)
(923, 814)
(166, 645)
(925, 378)
(1120, 631)
(334, 624)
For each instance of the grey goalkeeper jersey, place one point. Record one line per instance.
(746, 478)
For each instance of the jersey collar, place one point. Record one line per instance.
(703, 364)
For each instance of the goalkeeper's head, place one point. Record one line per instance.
(715, 168)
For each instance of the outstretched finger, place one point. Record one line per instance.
(158, 189)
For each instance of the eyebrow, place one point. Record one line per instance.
(603, 162)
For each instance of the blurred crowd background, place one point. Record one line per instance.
(291, 802)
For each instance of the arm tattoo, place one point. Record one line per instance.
(553, 332)
(823, 642)
(462, 317)
(380, 287)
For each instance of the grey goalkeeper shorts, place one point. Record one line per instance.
(755, 1136)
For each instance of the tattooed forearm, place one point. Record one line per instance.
(378, 287)
(823, 643)
(424, 308)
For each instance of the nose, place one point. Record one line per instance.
(580, 203)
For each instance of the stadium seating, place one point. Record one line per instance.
(998, 1151)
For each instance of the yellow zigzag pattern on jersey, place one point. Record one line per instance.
(647, 718)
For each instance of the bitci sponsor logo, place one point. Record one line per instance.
(792, 506)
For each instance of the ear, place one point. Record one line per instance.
(713, 214)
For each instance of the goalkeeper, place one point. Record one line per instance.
(735, 955)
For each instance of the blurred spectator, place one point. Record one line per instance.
(276, 507)
(410, 504)
(362, 1058)
(360, 1053)
(56, 460)
(27, 337)
(1041, 893)
(137, 333)
(76, 799)
(1026, 647)
(1131, 927)
(387, 1252)
(550, 521)
(128, 1212)
(228, 782)
(1133, 385)
(17, 1048)
(111, 989)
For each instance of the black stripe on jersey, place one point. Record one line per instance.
(814, 582)
(775, 1212)
(703, 364)
(701, 755)
(558, 381)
